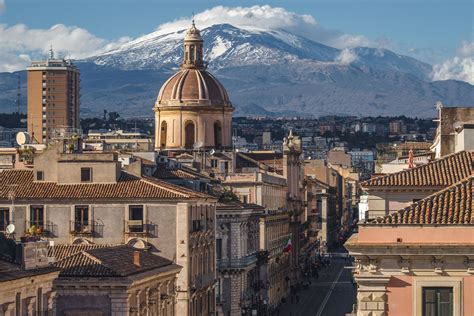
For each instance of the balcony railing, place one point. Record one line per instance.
(83, 228)
(139, 228)
(40, 228)
(237, 263)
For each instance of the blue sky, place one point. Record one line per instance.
(430, 30)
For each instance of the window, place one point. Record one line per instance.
(39, 176)
(214, 163)
(4, 218)
(135, 218)
(37, 215)
(437, 301)
(81, 218)
(219, 248)
(86, 174)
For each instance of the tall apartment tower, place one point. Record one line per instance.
(53, 97)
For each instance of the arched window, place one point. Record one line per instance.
(217, 134)
(163, 134)
(189, 137)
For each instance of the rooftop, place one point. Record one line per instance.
(117, 261)
(450, 206)
(128, 186)
(442, 172)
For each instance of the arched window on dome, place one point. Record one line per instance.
(163, 134)
(189, 132)
(217, 134)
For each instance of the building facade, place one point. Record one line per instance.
(74, 198)
(237, 253)
(53, 97)
(418, 260)
(389, 193)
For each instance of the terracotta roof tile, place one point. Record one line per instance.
(128, 186)
(452, 205)
(61, 251)
(442, 172)
(117, 261)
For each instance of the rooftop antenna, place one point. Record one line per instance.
(51, 52)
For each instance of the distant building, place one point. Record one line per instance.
(118, 140)
(397, 127)
(363, 161)
(53, 97)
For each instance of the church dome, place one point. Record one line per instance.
(192, 85)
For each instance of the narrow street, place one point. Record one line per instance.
(333, 294)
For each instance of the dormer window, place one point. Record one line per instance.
(86, 174)
(39, 176)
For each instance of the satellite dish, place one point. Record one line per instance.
(22, 138)
(458, 126)
(212, 152)
(10, 229)
(198, 145)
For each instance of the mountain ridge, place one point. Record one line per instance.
(266, 72)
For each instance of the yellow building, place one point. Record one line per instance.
(193, 109)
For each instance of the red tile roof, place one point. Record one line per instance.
(442, 172)
(117, 261)
(61, 251)
(452, 205)
(21, 184)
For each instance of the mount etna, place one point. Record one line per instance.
(266, 72)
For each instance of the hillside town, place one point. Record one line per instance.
(197, 212)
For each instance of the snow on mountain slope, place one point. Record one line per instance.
(229, 46)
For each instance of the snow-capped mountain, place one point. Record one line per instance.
(266, 72)
(229, 46)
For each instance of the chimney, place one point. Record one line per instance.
(136, 258)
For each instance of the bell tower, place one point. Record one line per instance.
(193, 49)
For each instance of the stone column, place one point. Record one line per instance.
(51, 303)
(235, 239)
(30, 303)
(235, 294)
(7, 309)
(372, 295)
(120, 304)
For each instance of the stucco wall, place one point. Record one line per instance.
(416, 234)
(400, 295)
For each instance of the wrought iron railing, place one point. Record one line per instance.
(237, 263)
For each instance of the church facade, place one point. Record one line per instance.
(193, 110)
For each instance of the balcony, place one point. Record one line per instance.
(40, 229)
(84, 228)
(237, 263)
(139, 228)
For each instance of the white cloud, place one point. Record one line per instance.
(460, 67)
(266, 17)
(19, 44)
(2, 6)
(346, 57)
